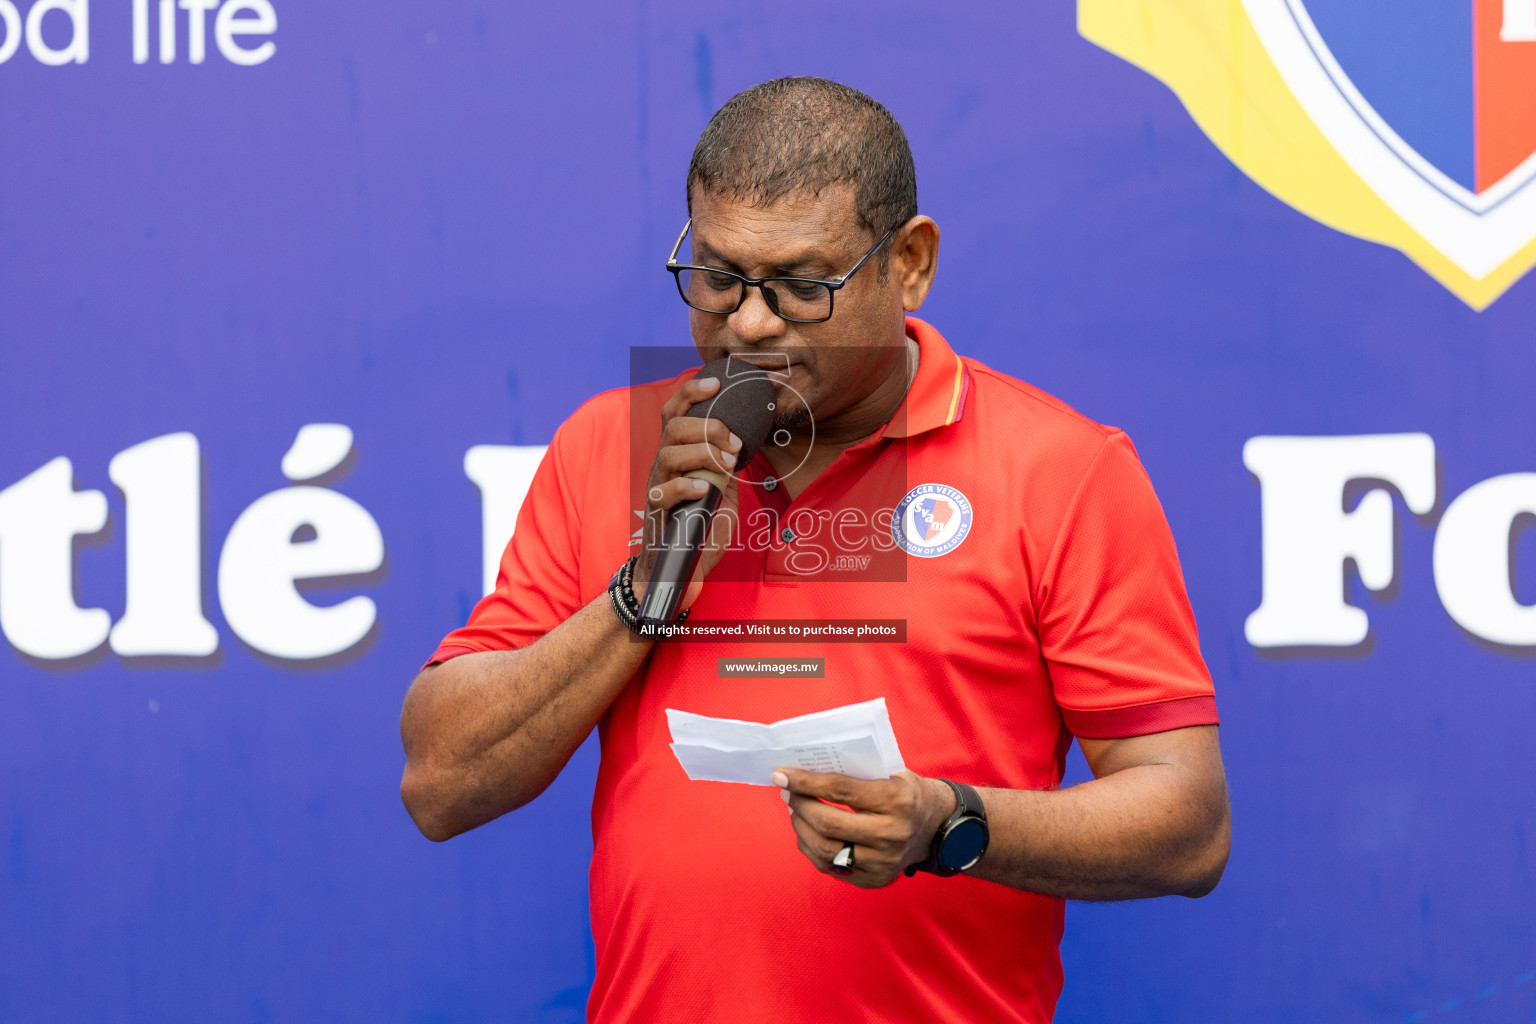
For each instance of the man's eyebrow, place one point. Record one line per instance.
(712, 257)
(807, 263)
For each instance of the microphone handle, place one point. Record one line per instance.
(682, 541)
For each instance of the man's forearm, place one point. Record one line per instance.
(486, 733)
(1148, 830)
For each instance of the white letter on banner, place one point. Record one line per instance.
(197, 28)
(318, 449)
(1519, 22)
(161, 479)
(1472, 560)
(141, 31)
(226, 27)
(79, 48)
(1307, 535)
(40, 516)
(503, 472)
(10, 24)
(262, 559)
(167, 31)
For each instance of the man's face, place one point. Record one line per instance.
(833, 365)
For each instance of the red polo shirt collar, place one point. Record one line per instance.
(939, 390)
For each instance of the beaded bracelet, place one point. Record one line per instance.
(621, 591)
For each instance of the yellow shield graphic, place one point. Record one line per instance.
(1260, 80)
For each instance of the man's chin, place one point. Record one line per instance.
(793, 418)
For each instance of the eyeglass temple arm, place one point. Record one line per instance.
(834, 285)
(679, 244)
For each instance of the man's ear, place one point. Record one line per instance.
(915, 260)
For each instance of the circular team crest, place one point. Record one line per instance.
(931, 520)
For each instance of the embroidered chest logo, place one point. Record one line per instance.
(931, 520)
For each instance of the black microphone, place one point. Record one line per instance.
(745, 404)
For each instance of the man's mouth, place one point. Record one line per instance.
(776, 364)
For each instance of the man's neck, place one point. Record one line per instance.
(805, 458)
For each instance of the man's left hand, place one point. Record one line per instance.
(891, 824)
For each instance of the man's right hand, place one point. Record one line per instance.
(688, 443)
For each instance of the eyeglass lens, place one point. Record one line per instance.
(723, 293)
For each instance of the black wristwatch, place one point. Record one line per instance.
(962, 840)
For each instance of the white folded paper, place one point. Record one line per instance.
(855, 740)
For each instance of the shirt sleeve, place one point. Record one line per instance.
(1116, 628)
(538, 584)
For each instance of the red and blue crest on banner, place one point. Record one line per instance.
(1456, 81)
(1430, 105)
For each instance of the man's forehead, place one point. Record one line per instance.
(798, 223)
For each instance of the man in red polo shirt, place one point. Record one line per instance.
(1024, 551)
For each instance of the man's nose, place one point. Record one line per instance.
(754, 322)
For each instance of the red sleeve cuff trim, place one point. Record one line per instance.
(447, 652)
(1143, 719)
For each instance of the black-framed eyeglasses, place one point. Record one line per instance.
(800, 300)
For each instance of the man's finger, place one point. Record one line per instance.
(678, 489)
(678, 459)
(864, 794)
(690, 394)
(823, 854)
(838, 824)
(698, 430)
(818, 847)
(814, 848)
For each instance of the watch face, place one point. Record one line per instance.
(964, 844)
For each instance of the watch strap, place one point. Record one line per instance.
(967, 805)
(967, 801)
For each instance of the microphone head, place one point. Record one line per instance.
(745, 403)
